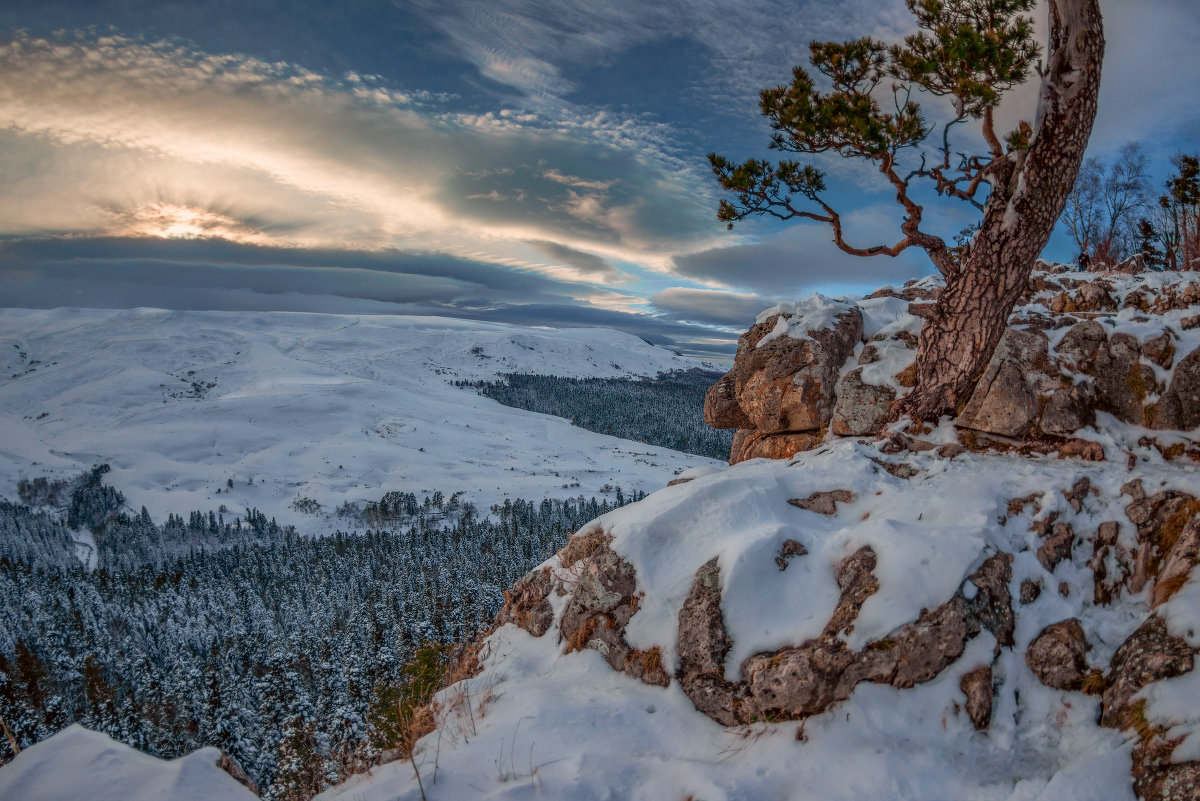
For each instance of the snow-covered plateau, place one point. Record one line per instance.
(288, 406)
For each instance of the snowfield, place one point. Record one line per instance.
(548, 725)
(78, 763)
(328, 407)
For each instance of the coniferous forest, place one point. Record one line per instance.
(667, 411)
(233, 631)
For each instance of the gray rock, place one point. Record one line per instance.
(1078, 347)
(1005, 400)
(861, 409)
(1150, 654)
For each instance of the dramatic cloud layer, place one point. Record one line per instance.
(521, 159)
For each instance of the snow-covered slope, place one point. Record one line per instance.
(80, 764)
(329, 407)
(548, 724)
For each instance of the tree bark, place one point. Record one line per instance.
(1026, 201)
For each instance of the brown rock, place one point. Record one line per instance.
(1057, 546)
(721, 408)
(789, 549)
(1182, 556)
(1122, 381)
(787, 385)
(230, 766)
(1031, 590)
(1156, 778)
(976, 685)
(861, 409)
(824, 503)
(1069, 409)
(526, 604)
(1058, 655)
(1160, 350)
(757, 445)
(702, 646)
(1078, 347)
(604, 600)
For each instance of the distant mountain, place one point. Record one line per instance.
(277, 410)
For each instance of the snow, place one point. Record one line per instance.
(549, 725)
(797, 319)
(330, 407)
(78, 763)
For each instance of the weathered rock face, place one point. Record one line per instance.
(1006, 399)
(1150, 654)
(861, 409)
(781, 386)
(1031, 395)
(603, 599)
(800, 681)
(976, 685)
(1180, 405)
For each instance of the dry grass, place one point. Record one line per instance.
(583, 545)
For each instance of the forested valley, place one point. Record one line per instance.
(233, 631)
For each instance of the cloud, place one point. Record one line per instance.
(710, 306)
(222, 275)
(586, 263)
(110, 135)
(796, 258)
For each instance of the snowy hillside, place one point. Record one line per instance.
(75, 758)
(327, 407)
(545, 722)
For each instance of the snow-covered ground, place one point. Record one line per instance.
(329, 407)
(547, 725)
(80, 764)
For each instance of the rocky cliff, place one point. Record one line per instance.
(1003, 607)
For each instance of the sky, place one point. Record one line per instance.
(530, 161)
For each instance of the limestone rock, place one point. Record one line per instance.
(754, 444)
(1150, 654)
(787, 384)
(861, 409)
(1005, 400)
(1179, 407)
(721, 409)
(526, 604)
(1122, 381)
(823, 503)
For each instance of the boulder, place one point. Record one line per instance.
(1150, 654)
(1077, 349)
(1058, 655)
(784, 384)
(754, 444)
(1179, 407)
(1005, 400)
(976, 686)
(1122, 381)
(721, 409)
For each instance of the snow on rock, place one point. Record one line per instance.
(327, 407)
(78, 763)
(887, 593)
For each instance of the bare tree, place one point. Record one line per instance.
(1084, 209)
(971, 52)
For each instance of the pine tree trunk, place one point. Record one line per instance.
(972, 313)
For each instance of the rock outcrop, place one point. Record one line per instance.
(793, 384)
